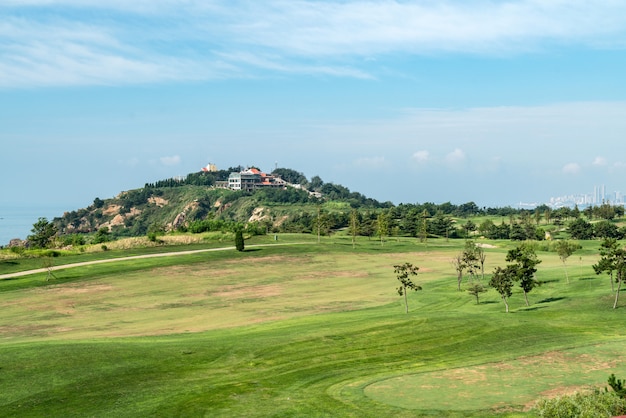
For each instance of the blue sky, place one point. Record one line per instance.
(494, 102)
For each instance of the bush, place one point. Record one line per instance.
(594, 404)
(239, 244)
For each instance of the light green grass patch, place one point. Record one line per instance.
(515, 383)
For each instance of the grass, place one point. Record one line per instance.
(308, 330)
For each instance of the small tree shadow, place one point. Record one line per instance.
(533, 308)
(548, 300)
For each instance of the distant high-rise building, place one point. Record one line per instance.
(599, 195)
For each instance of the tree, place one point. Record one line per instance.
(239, 242)
(353, 227)
(469, 227)
(525, 262)
(42, 233)
(457, 263)
(617, 385)
(403, 274)
(423, 225)
(475, 290)
(606, 229)
(101, 236)
(581, 229)
(608, 250)
(470, 258)
(564, 249)
(321, 222)
(613, 258)
(502, 281)
(481, 256)
(382, 226)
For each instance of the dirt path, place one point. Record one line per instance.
(134, 257)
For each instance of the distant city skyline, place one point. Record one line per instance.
(598, 196)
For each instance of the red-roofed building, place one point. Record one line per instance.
(252, 179)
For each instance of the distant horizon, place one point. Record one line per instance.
(17, 219)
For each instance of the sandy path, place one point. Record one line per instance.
(134, 257)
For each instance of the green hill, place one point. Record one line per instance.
(183, 204)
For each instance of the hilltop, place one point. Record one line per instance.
(287, 204)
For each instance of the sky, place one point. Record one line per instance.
(495, 102)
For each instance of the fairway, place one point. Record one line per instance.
(306, 330)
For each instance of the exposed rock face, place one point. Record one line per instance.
(118, 220)
(16, 242)
(179, 221)
(159, 201)
(111, 210)
(258, 215)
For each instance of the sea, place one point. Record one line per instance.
(16, 221)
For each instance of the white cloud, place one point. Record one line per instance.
(421, 156)
(166, 40)
(371, 162)
(571, 168)
(173, 160)
(455, 157)
(599, 161)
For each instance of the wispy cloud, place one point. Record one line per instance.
(74, 42)
(169, 161)
(371, 163)
(572, 168)
(599, 161)
(421, 156)
(455, 157)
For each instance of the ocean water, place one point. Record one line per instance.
(17, 221)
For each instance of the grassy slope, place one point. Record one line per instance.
(301, 331)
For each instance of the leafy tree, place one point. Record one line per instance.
(403, 274)
(353, 227)
(98, 203)
(608, 251)
(605, 211)
(321, 223)
(581, 229)
(613, 259)
(470, 258)
(382, 226)
(564, 249)
(290, 176)
(469, 227)
(459, 267)
(239, 243)
(502, 281)
(475, 290)
(441, 225)
(423, 225)
(316, 183)
(525, 262)
(42, 233)
(606, 229)
(617, 385)
(102, 235)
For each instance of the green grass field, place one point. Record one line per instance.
(302, 330)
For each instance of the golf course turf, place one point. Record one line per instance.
(303, 330)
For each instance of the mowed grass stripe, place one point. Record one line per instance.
(323, 331)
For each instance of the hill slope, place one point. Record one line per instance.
(175, 204)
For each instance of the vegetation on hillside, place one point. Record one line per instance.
(194, 204)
